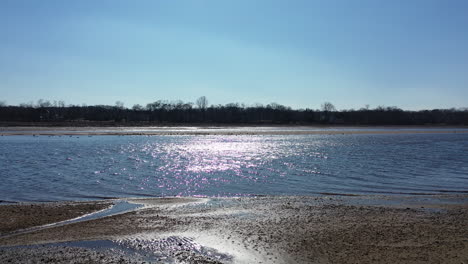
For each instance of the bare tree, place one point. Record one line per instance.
(119, 104)
(328, 107)
(257, 105)
(27, 105)
(61, 103)
(137, 107)
(202, 102)
(327, 115)
(44, 103)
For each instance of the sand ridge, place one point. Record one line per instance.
(279, 130)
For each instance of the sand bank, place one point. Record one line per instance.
(23, 215)
(333, 229)
(149, 131)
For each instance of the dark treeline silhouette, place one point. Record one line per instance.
(179, 112)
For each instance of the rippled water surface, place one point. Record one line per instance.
(48, 168)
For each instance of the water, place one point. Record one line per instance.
(49, 168)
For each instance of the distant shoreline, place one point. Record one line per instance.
(226, 130)
(112, 124)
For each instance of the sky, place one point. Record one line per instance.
(412, 54)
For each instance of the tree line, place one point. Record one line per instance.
(179, 112)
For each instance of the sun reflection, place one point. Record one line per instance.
(187, 165)
(221, 154)
(197, 162)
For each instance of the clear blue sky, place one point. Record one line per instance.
(407, 53)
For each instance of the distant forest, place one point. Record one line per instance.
(179, 112)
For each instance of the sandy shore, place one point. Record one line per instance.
(21, 216)
(333, 229)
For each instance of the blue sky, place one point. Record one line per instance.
(411, 54)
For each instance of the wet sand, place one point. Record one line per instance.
(119, 131)
(273, 229)
(21, 216)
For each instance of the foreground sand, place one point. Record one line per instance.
(333, 229)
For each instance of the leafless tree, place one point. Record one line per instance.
(61, 103)
(43, 103)
(202, 102)
(328, 107)
(137, 107)
(119, 104)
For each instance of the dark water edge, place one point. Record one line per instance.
(221, 128)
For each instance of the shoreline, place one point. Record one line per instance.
(226, 130)
(270, 229)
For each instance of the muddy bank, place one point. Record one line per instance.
(334, 229)
(25, 215)
(62, 255)
(223, 130)
(225, 133)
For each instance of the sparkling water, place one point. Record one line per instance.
(46, 168)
